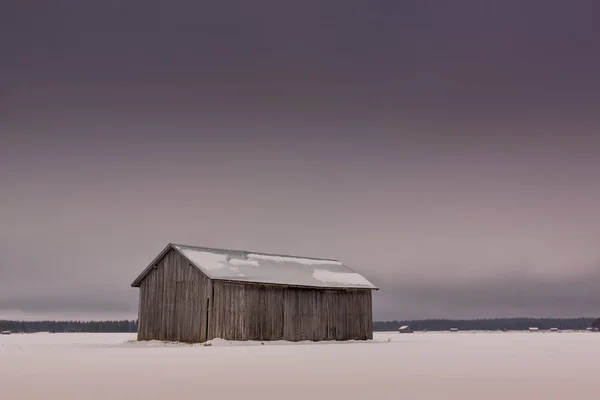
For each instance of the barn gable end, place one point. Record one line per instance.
(173, 301)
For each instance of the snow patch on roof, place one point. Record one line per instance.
(209, 261)
(299, 260)
(236, 261)
(340, 278)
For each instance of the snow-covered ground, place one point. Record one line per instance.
(430, 365)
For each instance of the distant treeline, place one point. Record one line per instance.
(496, 324)
(378, 326)
(68, 326)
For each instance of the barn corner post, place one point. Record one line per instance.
(139, 314)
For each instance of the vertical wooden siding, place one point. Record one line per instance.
(247, 312)
(173, 301)
(266, 312)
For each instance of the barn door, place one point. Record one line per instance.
(207, 319)
(207, 313)
(182, 312)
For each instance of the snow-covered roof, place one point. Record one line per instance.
(245, 266)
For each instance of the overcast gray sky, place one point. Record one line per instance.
(447, 150)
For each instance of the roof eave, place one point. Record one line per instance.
(291, 285)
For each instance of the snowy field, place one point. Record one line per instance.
(411, 366)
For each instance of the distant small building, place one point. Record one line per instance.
(533, 329)
(453, 329)
(554, 330)
(405, 329)
(5, 333)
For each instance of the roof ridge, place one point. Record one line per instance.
(247, 252)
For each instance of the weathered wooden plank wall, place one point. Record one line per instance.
(247, 312)
(265, 312)
(173, 301)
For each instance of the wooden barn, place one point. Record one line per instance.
(194, 294)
